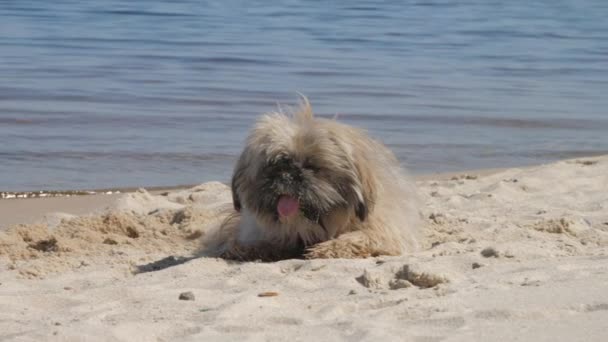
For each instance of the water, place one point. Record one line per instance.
(98, 94)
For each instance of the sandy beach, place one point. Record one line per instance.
(517, 254)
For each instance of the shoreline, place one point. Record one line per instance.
(22, 195)
(440, 175)
(16, 195)
(49, 206)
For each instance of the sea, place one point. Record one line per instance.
(113, 94)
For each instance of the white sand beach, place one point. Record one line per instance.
(518, 254)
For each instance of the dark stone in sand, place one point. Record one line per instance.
(162, 264)
(186, 296)
(49, 245)
(489, 252)
(109, 241)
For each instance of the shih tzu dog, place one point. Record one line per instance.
(315, 188)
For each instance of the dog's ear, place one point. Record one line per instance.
(366, 193)
(236, 202)
(365, 200)
(361, 181)
(237, 179)
(361, 211)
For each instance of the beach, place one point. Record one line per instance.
(512, 254)
(119, 137)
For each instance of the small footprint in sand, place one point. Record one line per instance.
(409, 276)
(406, 277)
(418, 278)
(453, 322)
(385, 304)
(596, 307)
(286, 320)
(493, 314)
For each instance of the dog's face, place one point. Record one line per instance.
(299, 170)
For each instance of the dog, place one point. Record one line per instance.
(316, 188)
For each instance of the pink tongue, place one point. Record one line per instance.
(287, 206)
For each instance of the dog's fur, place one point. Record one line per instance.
(354, 198)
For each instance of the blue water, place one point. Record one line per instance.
(98, 94)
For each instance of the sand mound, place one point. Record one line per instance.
(552, 210)
(138, 225)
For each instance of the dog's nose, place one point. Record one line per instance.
(286, 176)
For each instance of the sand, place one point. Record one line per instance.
(518, 254)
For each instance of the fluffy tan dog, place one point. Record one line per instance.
(312, 187)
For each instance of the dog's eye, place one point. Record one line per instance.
(309, 166)
(282, 160)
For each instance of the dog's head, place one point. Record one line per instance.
(301, 168)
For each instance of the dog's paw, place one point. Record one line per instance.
(338, 249)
